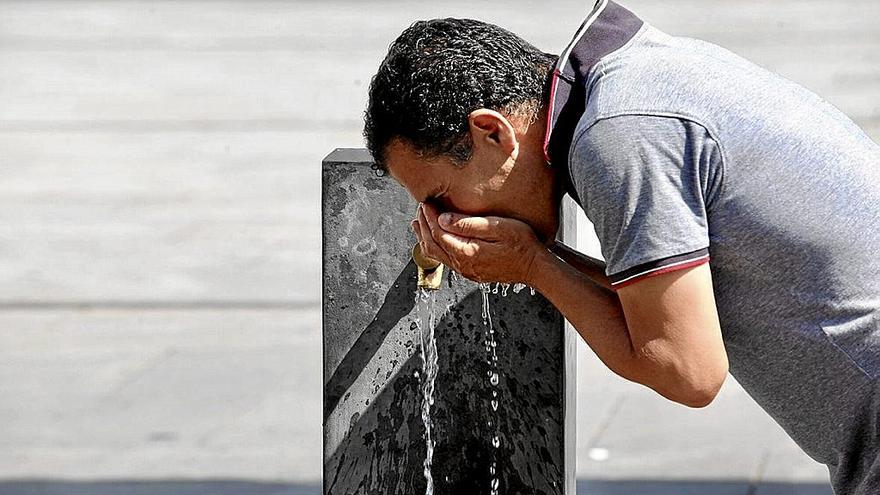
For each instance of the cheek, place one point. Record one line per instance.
(466, 204)
(475, 202)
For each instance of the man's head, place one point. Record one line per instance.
(456, 115)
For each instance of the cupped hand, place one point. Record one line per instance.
(483, 249)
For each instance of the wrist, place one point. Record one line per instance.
(539, 267)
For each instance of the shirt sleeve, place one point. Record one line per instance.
(641, 180)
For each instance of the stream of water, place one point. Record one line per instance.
(494, 379)
(425, 301)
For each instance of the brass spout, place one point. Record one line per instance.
(430, 270)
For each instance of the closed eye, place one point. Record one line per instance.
(436, 196)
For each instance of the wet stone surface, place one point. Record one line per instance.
(373, 433)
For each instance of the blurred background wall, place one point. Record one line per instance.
(160, 237)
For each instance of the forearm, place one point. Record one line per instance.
(593, 268)
(597, 314)
(592, 308)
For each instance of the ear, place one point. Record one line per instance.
(489, 129)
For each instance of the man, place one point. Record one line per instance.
(679, 152)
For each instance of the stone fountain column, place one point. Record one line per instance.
(373, 431)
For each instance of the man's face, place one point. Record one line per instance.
(489, 184)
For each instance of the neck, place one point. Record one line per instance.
(535, 141)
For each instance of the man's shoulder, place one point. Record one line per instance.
(610, 138)
(663, 74)
(653, 51)
(630, 151)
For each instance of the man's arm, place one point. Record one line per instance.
(642, 179)
(662, 331)
(591, 267)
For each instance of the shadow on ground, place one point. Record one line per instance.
(238, 487)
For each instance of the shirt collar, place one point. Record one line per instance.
(606, 28)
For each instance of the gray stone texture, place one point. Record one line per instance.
(373, 430)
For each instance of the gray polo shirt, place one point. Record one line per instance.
(685, 153)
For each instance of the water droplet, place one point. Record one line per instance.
(532, 290)
(496, 441)
(494, 405)
(485, 289)
(493, 379)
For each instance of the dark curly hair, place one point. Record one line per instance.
(437, 72)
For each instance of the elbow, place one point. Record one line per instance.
(699, 388)
(700, 396)
(692, 384)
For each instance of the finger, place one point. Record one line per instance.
(463, 249)
(485, 228)
(429, 244)
(414, 225)
(424, 229)
(456, 244)
(431, 215)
